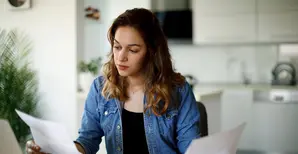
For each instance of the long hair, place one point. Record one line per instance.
(160, 77)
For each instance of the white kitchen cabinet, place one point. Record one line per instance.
(275, 6)
(236, 109)
(278, 27)
(245, 21)
(277, 21)
(227, 21)
(224, 29)
(275, 126)
(216, 7)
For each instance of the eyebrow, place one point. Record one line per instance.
(129, 44)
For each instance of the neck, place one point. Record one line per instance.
(135, 81)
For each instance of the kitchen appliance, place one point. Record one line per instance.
(288, 53)
(177, 25)
(175, 17)
(284, 73)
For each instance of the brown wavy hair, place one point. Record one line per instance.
(160, 77)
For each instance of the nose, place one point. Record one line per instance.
(122, 55)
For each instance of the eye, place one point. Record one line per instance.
(133, 51)
(117, 48)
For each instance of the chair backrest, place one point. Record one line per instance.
(203, 119)
(8, 141)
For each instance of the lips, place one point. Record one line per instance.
(122, 67)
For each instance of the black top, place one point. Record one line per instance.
(134, 138)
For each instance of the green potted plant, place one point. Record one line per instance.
(18, 83)
(87, 72)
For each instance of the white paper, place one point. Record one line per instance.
(220, 143)
(50, 136)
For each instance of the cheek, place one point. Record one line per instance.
(138, 62)
(142, 59)
(115, 56)
(139, 59)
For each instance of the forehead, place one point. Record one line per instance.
(128, 35)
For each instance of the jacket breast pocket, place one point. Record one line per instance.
(108, 116)
(167, 123)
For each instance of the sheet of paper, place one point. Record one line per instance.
(220, 143)
(50, 136)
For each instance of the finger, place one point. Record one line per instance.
(30, 144)
(30, 151)
(36, 147)
(33, 146)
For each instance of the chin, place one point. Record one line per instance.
(127, 73)
(123, 74)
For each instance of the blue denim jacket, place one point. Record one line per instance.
(170, 133)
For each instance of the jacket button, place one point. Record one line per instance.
(106, 113)
(168, 116)
(118, 126)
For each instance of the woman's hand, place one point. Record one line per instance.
(32, 148)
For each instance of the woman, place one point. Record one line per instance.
(140, 105)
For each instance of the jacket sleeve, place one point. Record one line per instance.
(91, 133)
(188, 118)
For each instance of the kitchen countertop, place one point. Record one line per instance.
(253, 86)
(207, 93)
(214, 90)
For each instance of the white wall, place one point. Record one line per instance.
(52, 26)
(80, 15)
(94, 34)
(223, 64)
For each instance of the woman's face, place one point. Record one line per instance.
(129, 51)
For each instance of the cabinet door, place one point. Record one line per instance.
(224, 29)
(227, 21)
(275, 6)
(217, 7)
(236, 109)
(277, 21)
(278, 27)
(275, 126)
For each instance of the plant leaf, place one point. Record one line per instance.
(18, 83)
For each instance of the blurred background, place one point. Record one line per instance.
(241, 56)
